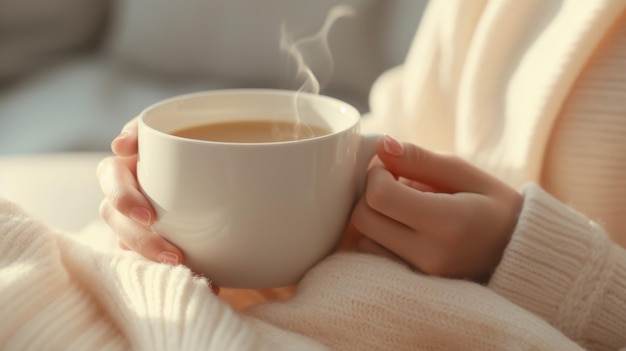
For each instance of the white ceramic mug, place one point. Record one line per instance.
(252, 215)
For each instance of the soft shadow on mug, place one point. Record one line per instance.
(254, 213)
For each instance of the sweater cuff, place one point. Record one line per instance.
(558, 264)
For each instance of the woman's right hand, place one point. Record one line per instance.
(124, 208)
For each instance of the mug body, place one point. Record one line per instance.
(250, 215)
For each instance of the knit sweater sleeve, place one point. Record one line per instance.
(61, 292)
(564, 268)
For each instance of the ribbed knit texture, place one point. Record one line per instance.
(564, 268)
(362, 302)
(59, 294)
(488, 85)
(514, 81)
(43, 307)
(588, 140)
(531, 91)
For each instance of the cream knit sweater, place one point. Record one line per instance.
(560, 286)
(59, 293)
(528, 90)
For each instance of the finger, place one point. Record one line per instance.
(446, 172)
(409, 206)
(376, 162)
(417, 249)
(125, 144)
(417, 185)
(392, 235)
(140, 238)
(119, 185)
(122, 245)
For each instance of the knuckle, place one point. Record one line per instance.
(121, 199)
(103, 166)
(104, 210)
(140, 242)
(145, 243)
(115, 198)
(418, 156)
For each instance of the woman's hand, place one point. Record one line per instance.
(436, 212)
(124, 207)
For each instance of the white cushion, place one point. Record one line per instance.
(79, 105)
(35, 32)
(59, 189)
(239, 40)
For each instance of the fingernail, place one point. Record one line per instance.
(141, 215)
(123, 135)
(392, 146)
(168, 258)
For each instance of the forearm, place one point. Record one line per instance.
(563, 267)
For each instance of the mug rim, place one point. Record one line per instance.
(247, 91)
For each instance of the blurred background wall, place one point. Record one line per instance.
(73, 72)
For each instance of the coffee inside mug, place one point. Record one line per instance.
(252, 131)
(259, 118)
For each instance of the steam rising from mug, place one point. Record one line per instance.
(311, 50)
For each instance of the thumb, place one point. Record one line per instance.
(445, 172)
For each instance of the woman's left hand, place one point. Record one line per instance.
(436, 212)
